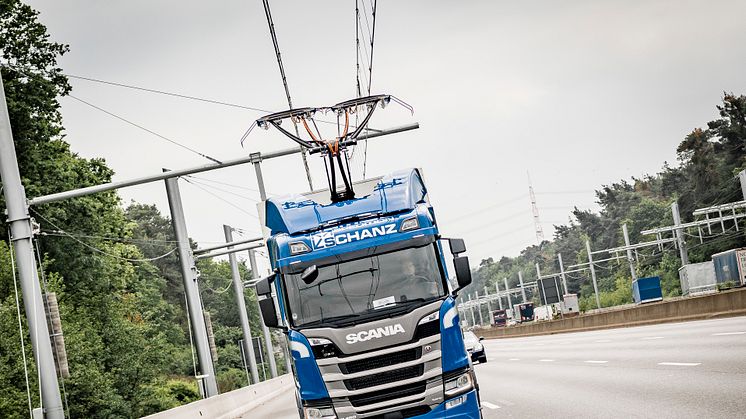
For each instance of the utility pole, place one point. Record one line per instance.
(535, 211)
(499, 299)
(263, 195)
(21, 236)
(243, 317)
(562, 273)
(191, 287)
(523, 290)
(593, 272)
(680, 234)
(630, 259)
(541, 283)
(479, 308)
(507, 291)
(265, 329)
(489, 305)
(471, 310)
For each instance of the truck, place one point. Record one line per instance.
(500, 318)
(523, 312)
(360, 288)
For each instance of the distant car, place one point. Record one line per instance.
(474, 346)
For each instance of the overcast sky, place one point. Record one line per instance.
(578, 93)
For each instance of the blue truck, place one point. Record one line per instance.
(361, 291)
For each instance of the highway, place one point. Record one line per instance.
(677, 370)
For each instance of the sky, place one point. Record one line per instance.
(577, 94)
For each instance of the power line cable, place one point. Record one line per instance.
(223, 190)
(166, 93)
(97, 250)
(59, 233)
(238, 207)
(144, 129)
(487, 208)
(232, 185)
(276, 45)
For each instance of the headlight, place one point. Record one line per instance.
(319, 413)
(430, 317)
(409, 224)
(478, 347)
(319, 341)
(297, 248)
(458, 385)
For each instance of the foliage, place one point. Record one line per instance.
(709, 160)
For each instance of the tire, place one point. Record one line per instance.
(483, 359)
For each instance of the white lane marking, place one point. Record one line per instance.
(681, 364)
(653, 337)
(490, 405)
(603, 341)
(596, 362)
(514, 359)
(729, 333)
(546, 360)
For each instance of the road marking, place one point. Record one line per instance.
(603, 341)
(490, 405)
(546, 360)
(681, 364)
(729, 333)
(596, 362)
(653, 337)
(514, 359)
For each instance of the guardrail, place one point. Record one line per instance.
(232, 404)
(723, 304)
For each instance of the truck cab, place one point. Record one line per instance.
(361, 290)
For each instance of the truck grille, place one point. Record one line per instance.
(428, 329)
(384, 377)
(380, 361)
(407, 413)
(388, 394)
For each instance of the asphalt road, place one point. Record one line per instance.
(679, 370)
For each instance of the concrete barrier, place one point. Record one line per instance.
(232, 404)
(722, 304)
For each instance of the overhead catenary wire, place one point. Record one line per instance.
(238, 207)
(207, 185)
(158, 242)
(97, 250)
(166, 93)
(276, 45)
(127, 121)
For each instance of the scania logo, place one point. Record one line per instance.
(376, 333)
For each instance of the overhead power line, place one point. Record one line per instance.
(166, 93)
(238, 207)
(96, 249)
(127, 121)
(276, 45)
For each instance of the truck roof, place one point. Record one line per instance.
(393, 193)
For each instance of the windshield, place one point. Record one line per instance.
(371, 285)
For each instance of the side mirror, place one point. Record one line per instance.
(266, 303)
(481, 338)
(310, 274)
(457, 246)
(463, 271)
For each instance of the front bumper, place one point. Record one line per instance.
(469, 409)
